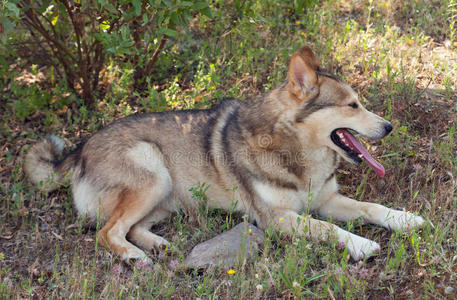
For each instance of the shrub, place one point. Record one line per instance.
(77, 38)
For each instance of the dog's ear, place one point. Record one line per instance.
(307, 54)
(302, 79)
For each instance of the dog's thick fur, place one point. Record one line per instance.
(276, 149)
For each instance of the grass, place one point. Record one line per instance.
(399, 55)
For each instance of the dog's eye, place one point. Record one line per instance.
(354, 105)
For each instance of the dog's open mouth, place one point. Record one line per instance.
(346, 141)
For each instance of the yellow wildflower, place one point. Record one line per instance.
(2, 256)
(231, 272)
(281, 219)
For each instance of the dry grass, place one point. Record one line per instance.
(401, 58)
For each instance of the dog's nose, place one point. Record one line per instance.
(388, 127)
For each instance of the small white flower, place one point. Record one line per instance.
(256, 276)
(259, 287)
(295, 284)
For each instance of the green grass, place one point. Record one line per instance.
(399, 55)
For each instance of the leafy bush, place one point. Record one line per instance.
(76, 38)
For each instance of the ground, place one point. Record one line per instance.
(398, 55)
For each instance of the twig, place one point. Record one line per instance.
(155, 55)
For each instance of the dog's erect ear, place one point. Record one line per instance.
(302, 79)
(307, 54)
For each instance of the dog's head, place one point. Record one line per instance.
(328, 110)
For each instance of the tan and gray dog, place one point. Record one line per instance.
(280, 150)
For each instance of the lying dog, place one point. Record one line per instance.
(280, 150)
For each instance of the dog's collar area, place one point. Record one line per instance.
(338, 140)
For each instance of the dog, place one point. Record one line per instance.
(280, 150)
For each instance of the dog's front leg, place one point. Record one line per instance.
(341, 208)
(289, 221)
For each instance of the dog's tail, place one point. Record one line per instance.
(42, 165)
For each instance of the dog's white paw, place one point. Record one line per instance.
(161, 243)
(358, 247)
(401, 220)
(136, 254)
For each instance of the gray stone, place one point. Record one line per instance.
(242, 241)
(448, 290)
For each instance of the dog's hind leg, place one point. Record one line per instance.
(140, 235)
(147, 186)
(341, 208)
(133, 206)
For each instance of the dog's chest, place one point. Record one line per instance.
(316, 181)
(278, 197)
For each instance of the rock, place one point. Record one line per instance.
(242, 241)
(448, 290)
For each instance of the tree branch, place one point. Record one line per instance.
(31, 19)
(155, 55)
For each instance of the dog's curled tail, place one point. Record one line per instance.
(42, 163)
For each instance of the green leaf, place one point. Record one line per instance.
(175, 19)
(137, 7)
(169, 32)
(200, 5)
(167, 3)
(159, 20)
(108, 6)
(145, 19)
(285, 279)
(12, 8)
(8, 26)
(207, 12)
(185, 3)
(312, 278)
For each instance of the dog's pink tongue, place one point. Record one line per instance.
(354, 144)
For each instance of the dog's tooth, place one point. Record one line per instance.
(340, 134)
(360, 156)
